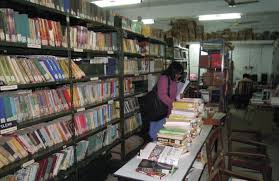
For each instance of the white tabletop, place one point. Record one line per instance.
(185, 163)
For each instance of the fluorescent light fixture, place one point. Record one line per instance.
(219, 16)
(146, 21)
(109, 3)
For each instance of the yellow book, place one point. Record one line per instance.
(4, 160)
(6, 154)
(179, 118)
(20, 147)
(183, 105)
(18, 71)
(1, 164)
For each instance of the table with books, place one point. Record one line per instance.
(179, 144)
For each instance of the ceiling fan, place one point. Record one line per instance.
(233, 3)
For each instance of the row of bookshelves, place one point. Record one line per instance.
(22, 163)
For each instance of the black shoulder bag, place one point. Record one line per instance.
(151, 107)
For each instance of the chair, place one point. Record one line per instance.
(217, 161)
(243, 93)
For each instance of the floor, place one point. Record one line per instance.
(256, 120)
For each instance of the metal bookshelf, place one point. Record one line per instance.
(9, 48)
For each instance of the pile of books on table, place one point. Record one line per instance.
(183, 124)
(158, 160)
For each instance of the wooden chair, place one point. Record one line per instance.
(217, 161)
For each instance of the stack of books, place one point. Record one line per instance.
(82, 38)
(183, 124)
(128, 86)
(95, 118)
(132, 123)
(94, 92)
(158, 161)
(24, 142)
(131, 66)
(21, 106)
(15, 27)
(131, 105)
(36, 69)
(131, 46)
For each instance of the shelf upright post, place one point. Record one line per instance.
(69, 52)
(120, 36)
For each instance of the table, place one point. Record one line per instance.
(128, 171)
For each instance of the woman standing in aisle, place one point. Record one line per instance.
(170, 77)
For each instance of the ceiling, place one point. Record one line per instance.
(259, 16)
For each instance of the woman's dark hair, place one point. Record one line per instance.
(173, 69)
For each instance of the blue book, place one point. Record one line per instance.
(8, 108)
(51, 69)
(67, 6)
(25, 27)
(2, 111)
(17, 19)
(101, 117)
(95, 115)
(56, 64)
(57, 70)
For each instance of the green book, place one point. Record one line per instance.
(18, 26)
(10, 71)
(6, 71)
(2, 73)
(172, 131)
(41, 69)
(8, 108)
(5, 24)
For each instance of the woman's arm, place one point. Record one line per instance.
(163, 91)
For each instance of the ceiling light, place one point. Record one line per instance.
(109, 3)
(219, 16)
(146, 21)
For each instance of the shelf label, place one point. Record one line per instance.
(31, 45)
(110, 102)
(78, 50)
(110, 52)
(94, 78)
(8, 87)
(8, 127)
(81, 109)
(26, 164)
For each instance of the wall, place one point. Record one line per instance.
(258, 56)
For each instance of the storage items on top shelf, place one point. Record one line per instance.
(140, 28)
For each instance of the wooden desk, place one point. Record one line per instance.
(128, 171)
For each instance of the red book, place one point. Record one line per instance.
(42, 170)
(216, 60)
(54, 157)
(67, 97)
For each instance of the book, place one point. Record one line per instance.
(131, 105)
(161, 154)
(131, 65)
(132, 123)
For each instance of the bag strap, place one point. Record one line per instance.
(155, 88)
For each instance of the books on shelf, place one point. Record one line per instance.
(15, 27)
(132, 123)
(47, 168)
(144, 66)
(95, 118)
(131, 46)
(36, 69)
(21, 106)
(92, 92)
(131, 66)
(157, 50)
(27, 141)
(128, 86)
(84, 39)
(98, 66)
(157, 64)
(131, 105)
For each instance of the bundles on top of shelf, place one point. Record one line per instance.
(131, 66)
(15, 27)
(93, 92)
(132, 123)
(31, 140)
(21, 106)
(131, 105)
(36, 69)
(131, 46)
(96, 117)
(98, 66)
(82, 38)
(47, 168)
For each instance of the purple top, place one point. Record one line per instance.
(163, 91)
